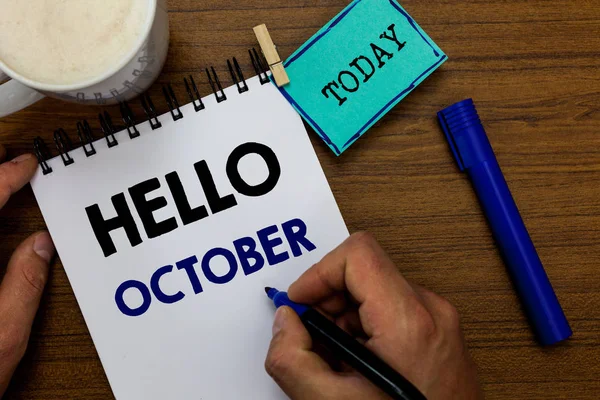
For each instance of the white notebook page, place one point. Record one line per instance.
(209, 345)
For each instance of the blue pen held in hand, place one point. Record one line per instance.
(347, 349)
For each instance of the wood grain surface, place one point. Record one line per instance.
(532, 68)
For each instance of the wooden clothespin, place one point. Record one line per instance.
(270, 52)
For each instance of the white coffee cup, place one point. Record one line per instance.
(123, 81)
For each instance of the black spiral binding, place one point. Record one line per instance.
(150, 111)
(129, 119)
(84, 131)
(172, 102)
(86, 138)
(108, 129)
(237, 76)
(197, 100)
(259, 66)
(215, 84)
(64, 146)
(43, 155)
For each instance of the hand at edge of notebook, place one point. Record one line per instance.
(414, 330)
(26, 273)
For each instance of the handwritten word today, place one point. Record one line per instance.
(146, 207)
(363, 67)
(245, 255)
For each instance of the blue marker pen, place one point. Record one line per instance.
(346, 348)
(473, 153)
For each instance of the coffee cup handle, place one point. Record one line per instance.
(15, 96)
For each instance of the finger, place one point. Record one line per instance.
(300, 372)
(333, 305)
(15, 174)
(350, 322)
(347, 319)
(424, 295)
(442, 310)
(361, 267)
(25, 278)
(20, 294)
(2, 153)
(290, 361)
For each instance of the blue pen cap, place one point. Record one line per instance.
(467, 139)
(473, 153)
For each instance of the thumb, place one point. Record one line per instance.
(20, 294)
(301, 373)
(295, 368)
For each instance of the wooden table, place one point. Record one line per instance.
(531, 66)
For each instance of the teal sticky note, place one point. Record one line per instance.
(357, 67)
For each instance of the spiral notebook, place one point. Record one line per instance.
(170, 229)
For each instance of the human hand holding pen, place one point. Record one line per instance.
(413, 330)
